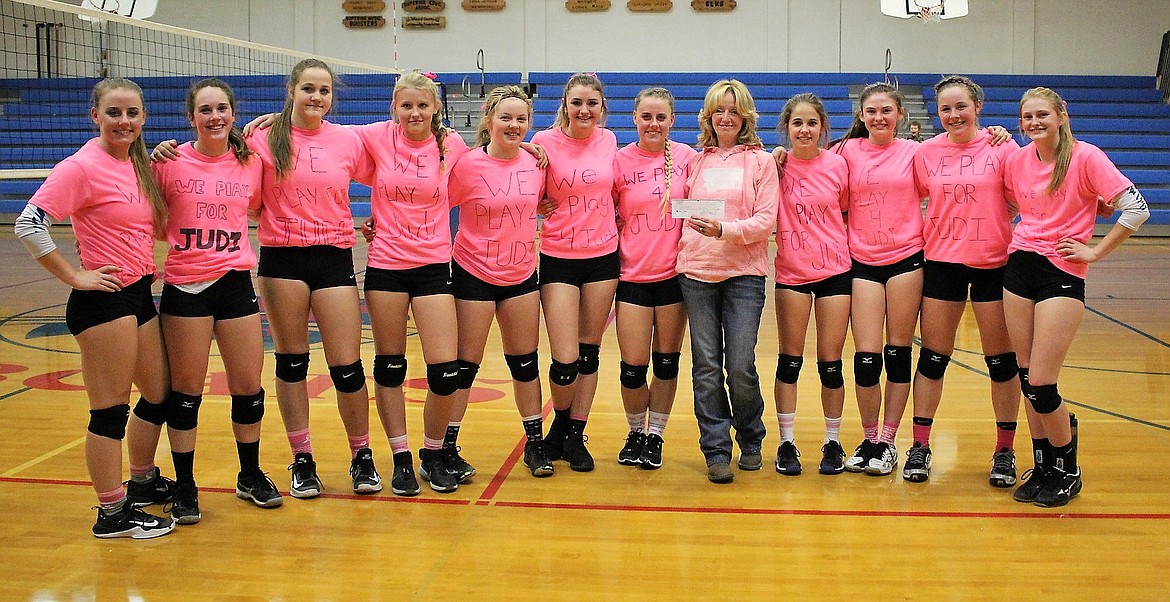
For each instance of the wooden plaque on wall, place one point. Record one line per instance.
(650, 6)
(363, 6)
(432, 23)
(713, 6)
(587, 6)
(483, 5)
(364, 22)
(424, 6)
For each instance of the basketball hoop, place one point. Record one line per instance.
(930, 11)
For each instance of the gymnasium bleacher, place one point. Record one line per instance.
(1124, 115)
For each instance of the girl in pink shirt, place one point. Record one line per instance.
(209, 190)
(579, 263)
(306, 265)
(967, 228)
(108, 191)
(885, 242)
(722, 266)
(812, 267)
(1056, 181)
(651, 320)
(498, 187)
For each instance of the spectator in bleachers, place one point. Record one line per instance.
(812, 270)
(1056, 181)
(111, 311)
(209, 291)
(723, 266)
(651, 319)
(967, 228)
(915, 132)
(498, 188)
(579, 265)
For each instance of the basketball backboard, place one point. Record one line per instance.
(944, 9)
(135, 9)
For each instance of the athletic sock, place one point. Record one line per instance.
(399, 444)
(249, 454)
(1005, 436)
(832, 429)
(299, 442)
(533, 428)
(870, 431)
(889, 432)
(637, 422)
(357, 444)
(786, 422)
(142, 474)
(922, 430)
(112, 502)
(184, 466)
(433, 444)
(657, 422)
(451, 438)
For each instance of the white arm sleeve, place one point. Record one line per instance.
(1134, 211)
(32, 228)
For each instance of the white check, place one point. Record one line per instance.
(708, 208)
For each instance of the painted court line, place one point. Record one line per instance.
(43, 457)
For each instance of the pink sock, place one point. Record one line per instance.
(922, 434)
(889, 432)
(109, 500)
(299, 442)
(579, 417)
(146, 470)
(357, 444)
(786, 423)
(657, 423)
(870, 431)
(1005, 438)
(432, 444)
(399, 444)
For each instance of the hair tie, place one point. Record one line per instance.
(431, 76)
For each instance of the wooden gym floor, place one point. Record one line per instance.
(618, 532)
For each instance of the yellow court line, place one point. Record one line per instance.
(43, 457)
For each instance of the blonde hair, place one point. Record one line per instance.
(665, 95)
(280, 134)
(138, 155)
(744, 105)
(491, 106)
(580, 79)
(418, 81)
(1065, 140)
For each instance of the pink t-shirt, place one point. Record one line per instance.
(208, 200)
(648, 240)
(580, 178)
(409, 196)
(885, 210)
(967, 217)
(811, 242)
(111, 216)
(497, 201)
(746, 180)
(310, 205)
(1070, 211)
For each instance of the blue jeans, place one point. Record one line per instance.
(725, 323)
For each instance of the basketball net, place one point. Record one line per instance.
(930, 11)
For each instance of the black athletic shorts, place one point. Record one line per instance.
(319, 266)
(86, 309)
(232, 296)
(469, 288)
(882, 274)
(1032, 276)
(579, 272)
(650, 294)
(951, 282)
(425, 280)
(833, 286)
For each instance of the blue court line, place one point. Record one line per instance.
(1128, 327)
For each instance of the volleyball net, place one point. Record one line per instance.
(54, 53)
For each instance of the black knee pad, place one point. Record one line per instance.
(867, 368)
(932, 365)
(348, 379)
(1003, 367)
(110, 422)
(183, 410)
(292, 367)
(248, 409)
(633, 377)
(467, 372)
(588, 358)
(788, 368)
(443, 378)
(898, 364)
(154, 413)
(665, 365)
(830, 373)
(524, 367)
(562, 374)
(390, 370)
(1044, 398)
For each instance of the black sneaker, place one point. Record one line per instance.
(537, 460)
(185, 507)
(917, 467)
(861, 456)
(651, 457)
(158, 490)
(883, 461)
(1059, 488)
(456, 465)
(554, 441)
(257, 488)
(433, 470)
(305, 483)
(579, 458)
(1003, 468)
(1034, 480)
(631, 454)
(403, 482)
(788, 459)
(365, 477)
(131, 522)
(832, 458)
